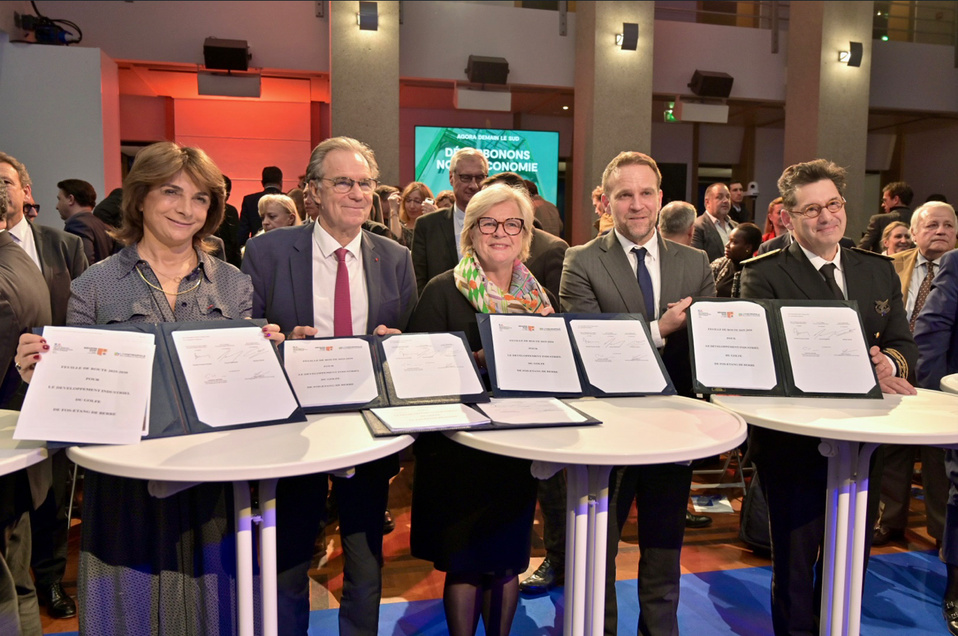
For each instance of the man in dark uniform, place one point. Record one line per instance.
(793, 472)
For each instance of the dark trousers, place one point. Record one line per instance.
(950, 535)
(19, 611)
(552, 502)
(301, 504)
(896, 486)
(661, 494)
(796, 494)
(48, 524)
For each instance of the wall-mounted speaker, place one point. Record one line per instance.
(711, 84)
(487, 70)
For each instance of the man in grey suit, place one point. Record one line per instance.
(331, 278)
(633, 270)
(711, 229)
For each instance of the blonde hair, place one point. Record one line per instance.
(488, 198)
(282, 201)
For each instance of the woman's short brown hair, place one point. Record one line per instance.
(157, 164)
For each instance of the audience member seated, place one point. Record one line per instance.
(741, 246)
(150, 565)
(896, 238)
(675, 221)
(299, 199)
(472, 511)
(445, 199)
(773, 221)
(414, 201)
(277, 210)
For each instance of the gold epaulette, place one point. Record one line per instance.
(760, 257)
(899, 361)
(871, 253)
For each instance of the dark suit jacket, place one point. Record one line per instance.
(877, 224)
(228, 231)
(936, 330)
(548, 215)
(597, 278)
(434, 246)
(871, 281)
(280, 264)
(250, 222)
(546, 255)
(97, 244)
(706, 237)
(61, 259)
(739, 216)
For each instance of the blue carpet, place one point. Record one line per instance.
(902, 596)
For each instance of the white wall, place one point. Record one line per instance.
(931, 164)
(54, 123)
(911, 76)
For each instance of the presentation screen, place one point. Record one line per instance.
(532, 154)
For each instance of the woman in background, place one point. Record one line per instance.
(414, 201)
(896, 238)
(277, 210)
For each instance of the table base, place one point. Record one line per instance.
(845, 528)
(587, 519)
(244, 556)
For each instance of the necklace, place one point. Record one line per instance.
(185, 291)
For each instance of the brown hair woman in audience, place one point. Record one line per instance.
(896, 238)
(445, 199)
(415, 200)
(150, 565)
(472, 511)
(773, 221)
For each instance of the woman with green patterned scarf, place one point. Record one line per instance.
(472, 512)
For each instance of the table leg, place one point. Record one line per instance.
(586, 543)
(845, 527)
(577, 517)
(244, 557)
(267, 502)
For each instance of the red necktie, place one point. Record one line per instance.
(342, 312)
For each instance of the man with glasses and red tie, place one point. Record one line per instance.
(331, 278)
(793, 472)
(435, 247)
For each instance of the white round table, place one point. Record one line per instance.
(850, 430)
(949, 383)
(634, 431)
(324, 443)
(17, 454)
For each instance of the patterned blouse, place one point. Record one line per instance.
(115, 290)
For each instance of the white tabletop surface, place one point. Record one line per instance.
(949, 383)
(15, 454)
(323, 443)
(634, 431)
(931, 417)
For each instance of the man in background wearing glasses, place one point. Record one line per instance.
(793, 472)
(331, 278)
(435, 247)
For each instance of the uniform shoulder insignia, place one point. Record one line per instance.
(859, 250)
(755, 259)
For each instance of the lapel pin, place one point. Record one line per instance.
(882, 307)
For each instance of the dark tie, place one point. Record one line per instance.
(828, 273)
(645, 283)
(342, 311)
(922, 295)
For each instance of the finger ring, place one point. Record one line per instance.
(18, 367)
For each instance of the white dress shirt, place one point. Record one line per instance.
(458, 222)
(817, 262)
(325, 267)
(23, 236)
(721, 226)
(652, 264)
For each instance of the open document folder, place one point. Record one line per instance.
(97, 383)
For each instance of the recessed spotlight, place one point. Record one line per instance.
(565, 108)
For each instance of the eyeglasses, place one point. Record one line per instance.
(342, 185)
(813, 210)
(488, 225)
(471, 178)
(31, 207)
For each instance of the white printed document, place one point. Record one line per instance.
(92, 387)
(233, 376)
(533, 353)
(733, 345)
(331, 372)
(529, 411)
(425, 365)
(827, 350)
(429, 417)
(617, 356)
